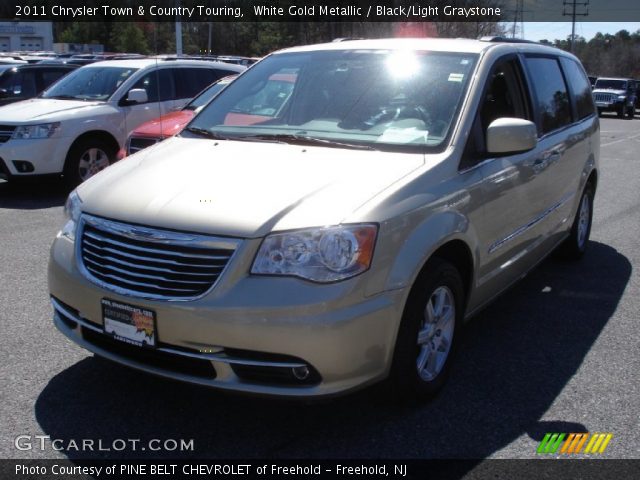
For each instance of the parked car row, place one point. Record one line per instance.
(77, 126)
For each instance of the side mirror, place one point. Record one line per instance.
(511, 135)
(137, 95)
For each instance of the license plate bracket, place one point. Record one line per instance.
(130, 324)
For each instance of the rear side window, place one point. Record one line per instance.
(553, 108)
(191, 81)
(51, 76)
(580, 87)
(19, 84)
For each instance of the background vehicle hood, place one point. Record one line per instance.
(166, 125)
(243, 189)
(609, 90)
(42, 109)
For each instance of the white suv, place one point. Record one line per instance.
(77, 126)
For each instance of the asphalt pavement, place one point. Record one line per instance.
(558, 353)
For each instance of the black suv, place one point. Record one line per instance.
(21, 82)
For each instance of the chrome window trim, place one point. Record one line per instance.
(149, 234)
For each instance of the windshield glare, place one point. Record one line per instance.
(90, 83)
(611, 84)
(375, 98)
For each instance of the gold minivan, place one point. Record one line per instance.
(337, 231)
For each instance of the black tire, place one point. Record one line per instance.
(405, 383)
(599, 113)
(74, 171)
(620, 112)
(574, 247)
(631, 111)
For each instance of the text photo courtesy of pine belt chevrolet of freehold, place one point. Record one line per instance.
(76, 127)
(330, 232)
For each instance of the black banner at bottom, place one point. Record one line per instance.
(548, 468)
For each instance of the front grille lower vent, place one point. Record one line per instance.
(6, 131)
(140, 143)
(151, 263)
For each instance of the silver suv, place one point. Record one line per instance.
(342, 238)
(616, 95)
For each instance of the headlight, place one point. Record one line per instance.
(72, 212)
(622, 97)
(324, 254)
(45, 130)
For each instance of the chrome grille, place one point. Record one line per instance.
(151, 263)
(140, 143)
(604, 97)
(5, 132)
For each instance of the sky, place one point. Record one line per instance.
(561, 30)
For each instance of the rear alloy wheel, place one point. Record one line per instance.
(575, 245)
(428, 332)
(85, 159)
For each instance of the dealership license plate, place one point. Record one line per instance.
(129, 323)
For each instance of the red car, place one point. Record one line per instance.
(264, 105)
(156, 130)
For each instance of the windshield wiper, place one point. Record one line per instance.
(65, 97)
(298, 139)
(203, 132)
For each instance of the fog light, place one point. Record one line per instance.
(301, 373)
(23, 166)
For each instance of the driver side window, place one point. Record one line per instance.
(503, 97)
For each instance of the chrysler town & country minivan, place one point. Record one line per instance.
(344, 238)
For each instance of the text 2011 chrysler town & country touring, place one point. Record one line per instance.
(342, 238)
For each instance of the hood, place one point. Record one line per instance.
(42, 109)
(241, 189)
(609, 90)
(165, 126)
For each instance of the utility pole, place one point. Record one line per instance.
(574, 4)
(518, 17)
(178, 32)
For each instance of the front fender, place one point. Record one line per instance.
(424, 238)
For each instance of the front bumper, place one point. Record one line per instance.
(613, 106)
(47, 155)
(245, 323)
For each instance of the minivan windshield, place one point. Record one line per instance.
(89, 83)
(382, 99)
(611, 84)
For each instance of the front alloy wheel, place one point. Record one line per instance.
(436, 335)
(427, 336)
(87, 157)
(91, 162)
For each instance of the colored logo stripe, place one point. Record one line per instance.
(598, 443)
(574, 443)
(550, 443)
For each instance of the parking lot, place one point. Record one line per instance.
(558, 353)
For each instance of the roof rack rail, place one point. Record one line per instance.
(499, 39)
(345, 39)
